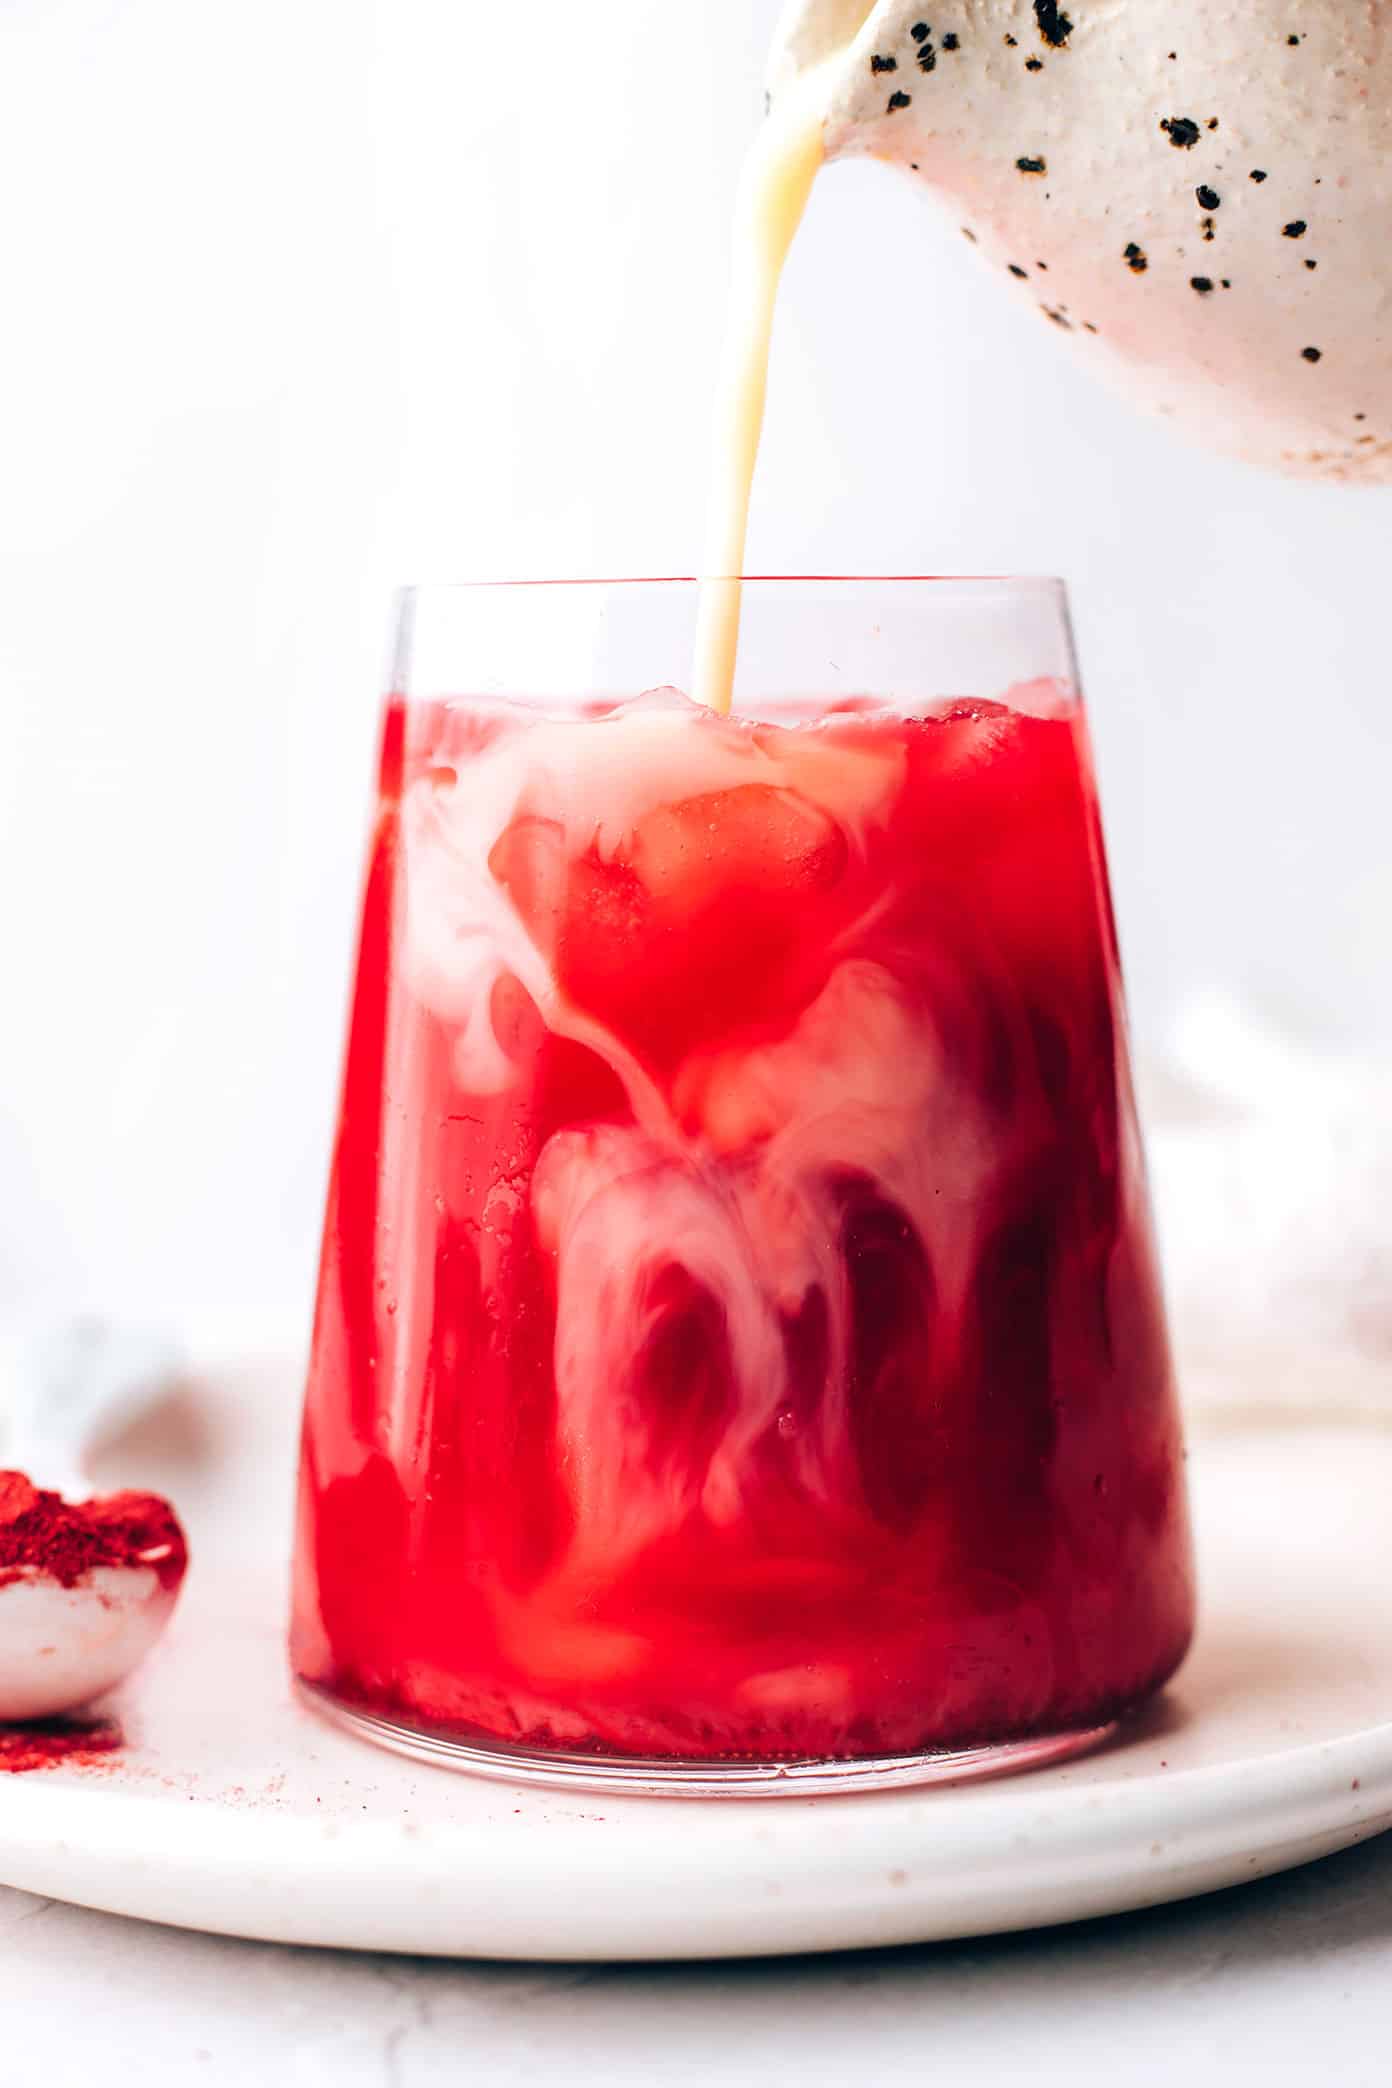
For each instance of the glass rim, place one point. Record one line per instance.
(947, 583)
(838, 635)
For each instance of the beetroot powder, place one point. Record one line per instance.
(77, 1742)
(40, 1530)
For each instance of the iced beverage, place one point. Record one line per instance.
(738, 1336)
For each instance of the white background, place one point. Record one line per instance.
(304, 298)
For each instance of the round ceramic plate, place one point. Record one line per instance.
(232, 1808)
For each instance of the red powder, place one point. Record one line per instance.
(76, 1742)
(66, 1540)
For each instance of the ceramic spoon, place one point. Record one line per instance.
(61, 1647)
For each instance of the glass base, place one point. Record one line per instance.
(622, 1776)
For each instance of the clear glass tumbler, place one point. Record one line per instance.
(739, 1361)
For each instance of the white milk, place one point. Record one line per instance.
(774, 188)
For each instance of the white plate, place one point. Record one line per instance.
(234, 1810)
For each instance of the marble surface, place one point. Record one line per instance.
(1286, 1981)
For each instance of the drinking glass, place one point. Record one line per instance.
(739, 1363)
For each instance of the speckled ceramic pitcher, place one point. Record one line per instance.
(1200, 196)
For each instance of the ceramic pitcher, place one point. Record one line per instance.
(1199, 197)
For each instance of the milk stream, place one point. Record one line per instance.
(773, 193)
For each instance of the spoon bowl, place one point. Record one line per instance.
(73, 1627)
(60, 1648)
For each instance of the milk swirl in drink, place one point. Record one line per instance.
(738, 1333)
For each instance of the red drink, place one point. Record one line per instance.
(738, 1333)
